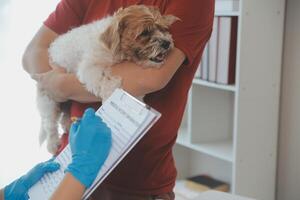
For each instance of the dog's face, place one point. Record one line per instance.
(140, 34)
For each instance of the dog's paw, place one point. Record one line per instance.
(53, 144)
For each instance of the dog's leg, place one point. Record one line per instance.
(97, 79)
(49, 112)
(108, 84)
(65, 120)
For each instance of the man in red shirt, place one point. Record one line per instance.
(148, 171)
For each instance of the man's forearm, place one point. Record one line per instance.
(35, 59)
(136, 80)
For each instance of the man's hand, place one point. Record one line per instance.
(53, 83)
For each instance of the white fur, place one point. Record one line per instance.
(79, 51)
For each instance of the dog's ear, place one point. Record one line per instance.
(120, 10)
(168, 20)
(111, 37)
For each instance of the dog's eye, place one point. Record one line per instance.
(145, 33)
(163, 29)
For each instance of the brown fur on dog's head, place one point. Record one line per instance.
(140, 33)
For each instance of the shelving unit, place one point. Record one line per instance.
(230, 131)
(227, 13)
(221, 149)
(198, 81)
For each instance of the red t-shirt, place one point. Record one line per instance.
(149, 168)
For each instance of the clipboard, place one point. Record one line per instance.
(129, 120)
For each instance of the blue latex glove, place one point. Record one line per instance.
(18, 189)
(90, 141)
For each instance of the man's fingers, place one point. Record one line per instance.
(57, 68)
(60, 69)
(36, 77)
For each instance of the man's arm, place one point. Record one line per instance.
(36, 59)
(137, 80)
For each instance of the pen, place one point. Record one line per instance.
(75, 119)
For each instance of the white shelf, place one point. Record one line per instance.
(227, 13)
(198, 81)
(222, 149)
(183, 137)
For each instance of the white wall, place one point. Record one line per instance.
(19, 120)
(289, 137)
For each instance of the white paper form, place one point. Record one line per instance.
(128, 119)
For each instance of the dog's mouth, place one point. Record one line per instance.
(159, 57)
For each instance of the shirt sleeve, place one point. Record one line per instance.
(194, 28)
(67, 15)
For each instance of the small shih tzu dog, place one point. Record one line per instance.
(137, 33)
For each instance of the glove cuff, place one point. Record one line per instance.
(16, 190)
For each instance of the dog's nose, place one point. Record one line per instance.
(165, 44)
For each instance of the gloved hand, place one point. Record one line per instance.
(90, 142)
(18, 189)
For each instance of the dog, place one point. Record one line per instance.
(137, 33)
